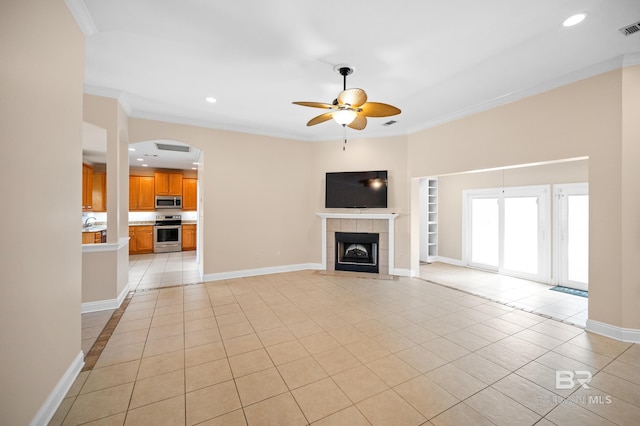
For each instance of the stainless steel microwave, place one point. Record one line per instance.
(168, 202)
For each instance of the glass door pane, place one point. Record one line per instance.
(521, 235)
(578, 239)
(485, 232)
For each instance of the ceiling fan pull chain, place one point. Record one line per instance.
(344, 146)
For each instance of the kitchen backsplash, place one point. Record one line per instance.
(101, 218)
(151, 216)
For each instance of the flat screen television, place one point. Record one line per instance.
(356, 189)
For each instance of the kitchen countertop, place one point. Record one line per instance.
(153, 222)
(95, 228)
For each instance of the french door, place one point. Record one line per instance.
(572, 235)
(507, 231)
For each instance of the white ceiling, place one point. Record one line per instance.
(435, 60)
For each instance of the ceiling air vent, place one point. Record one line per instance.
(631, 29)
(389, 123)
(177, 148)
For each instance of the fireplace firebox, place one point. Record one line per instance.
(357, 252)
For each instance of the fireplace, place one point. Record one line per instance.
(357, 251)
(380, 223)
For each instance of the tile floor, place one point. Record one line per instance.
(522, 294)
(162, 270)
(306, 348)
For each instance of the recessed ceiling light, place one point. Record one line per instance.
(195, 163)
(575, 19)
(132, 149)
(140, 159)
(194, 168)
(145, 165)
(210, 99)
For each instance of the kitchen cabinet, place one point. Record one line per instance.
(141, 193)
(99, 193)
(87, 188)
(189, 194)
(189, 237)
(92, 237)
(141, 239)
(168, 183)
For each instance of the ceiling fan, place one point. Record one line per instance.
(350, 108)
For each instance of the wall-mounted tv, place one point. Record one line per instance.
(356, 189)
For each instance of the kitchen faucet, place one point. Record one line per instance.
(86, 225)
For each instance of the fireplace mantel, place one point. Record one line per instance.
(389, 217)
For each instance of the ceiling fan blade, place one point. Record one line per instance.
(359, 123)
(377, 109)
(353, 97)
(314, 104)
(320, 119)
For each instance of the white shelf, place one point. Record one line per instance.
(432, 219)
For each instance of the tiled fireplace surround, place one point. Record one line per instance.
(382, 224)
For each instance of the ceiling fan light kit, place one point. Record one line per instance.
(350, 108)
(344, 116)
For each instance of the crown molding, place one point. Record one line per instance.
(581, 74)
(82, 16)
(617, 62)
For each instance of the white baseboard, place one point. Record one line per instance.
(103, 305)
(402, 272)
(48, 409)
(631, 335)
(261, 271)
(450, 261)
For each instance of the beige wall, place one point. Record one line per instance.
(261, 194)
(450, 194)
(99, 275)
(255, 193)
(630, 209)
(41, 120)
(581, 119)
(106, 273)
(365, 154)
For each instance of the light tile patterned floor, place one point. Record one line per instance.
(523, 294)
(306, 348)
(162, 270)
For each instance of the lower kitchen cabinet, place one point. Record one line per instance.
(140, 239)
(189, 237)
(91, 237)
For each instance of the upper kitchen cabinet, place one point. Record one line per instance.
(189, 194)
(168, 183)
(141, 193)
(99, 193)
(87, 188)
(94, 166)
(94, 189)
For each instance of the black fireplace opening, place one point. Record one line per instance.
(357, 252)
